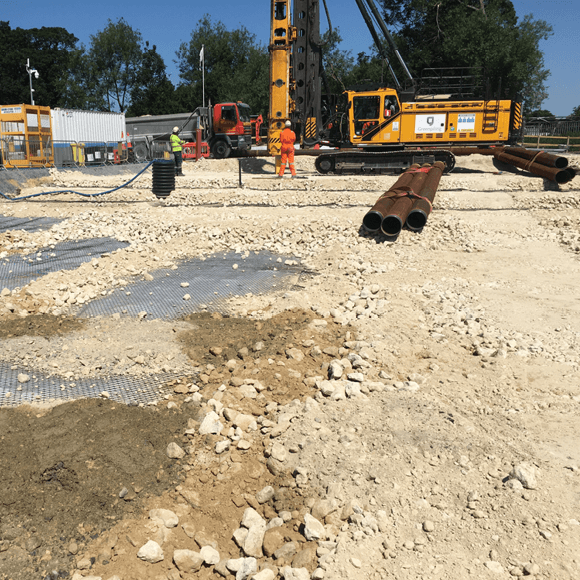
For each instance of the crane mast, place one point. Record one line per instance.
(282, 34)
(295, 71)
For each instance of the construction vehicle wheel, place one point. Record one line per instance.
(140, 152)
(220, 149)
(324, 164)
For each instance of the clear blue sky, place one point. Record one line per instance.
(167, 24)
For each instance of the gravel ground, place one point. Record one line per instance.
(409, 409)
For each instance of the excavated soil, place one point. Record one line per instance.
(420, 398)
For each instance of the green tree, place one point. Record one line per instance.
(50, 52)
(576, 112)
(236, 67)
(152, 92)
(114, 60)
(540, 113)
(336, 63)
(474, 33)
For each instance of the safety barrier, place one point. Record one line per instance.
(19, 152)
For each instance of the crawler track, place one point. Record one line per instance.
(366, 162)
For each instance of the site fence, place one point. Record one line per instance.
(565, 143)
(18, 152)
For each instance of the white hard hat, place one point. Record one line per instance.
(288, 124)
(176, 129)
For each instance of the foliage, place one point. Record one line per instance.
(337, 64)
(470, 33)
(152, 92)
(50, 53)
(113, 61)
(576, 112)
(236, 67)
(540, 113)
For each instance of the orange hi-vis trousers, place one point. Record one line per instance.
(287, 152)
(287, 139)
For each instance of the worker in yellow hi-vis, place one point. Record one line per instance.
(287, 139)
(176, 147)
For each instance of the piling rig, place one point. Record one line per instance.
(380, 127)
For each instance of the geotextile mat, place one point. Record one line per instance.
(210, 283)
(41, 388)
(16, 271)
(29, 224)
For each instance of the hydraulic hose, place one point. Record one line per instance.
(78, 192)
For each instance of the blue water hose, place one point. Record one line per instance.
(78, 192)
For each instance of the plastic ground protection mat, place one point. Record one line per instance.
(16, 271)
(41, 388)
(29, 224)
(207, 285)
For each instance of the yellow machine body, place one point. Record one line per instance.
(377, 119)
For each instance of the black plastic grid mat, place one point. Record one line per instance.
(17, 271)
(211, 282)
(131, 390)
(29, 224)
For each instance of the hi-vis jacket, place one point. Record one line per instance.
(176, 142)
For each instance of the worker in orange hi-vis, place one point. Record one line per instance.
(287, 139)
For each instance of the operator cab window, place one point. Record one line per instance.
(366, 113)
(391, 107)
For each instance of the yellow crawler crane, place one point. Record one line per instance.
(381, 128)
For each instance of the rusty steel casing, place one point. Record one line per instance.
(560, 176)
(542, 158)
(374, 217)
(392, 223)
(421, 209)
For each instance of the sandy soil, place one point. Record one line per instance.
(409, 411)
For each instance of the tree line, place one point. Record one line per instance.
(120, 71)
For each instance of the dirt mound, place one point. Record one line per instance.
(63, 470)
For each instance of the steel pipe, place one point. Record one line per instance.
(374, 217)
(540, 157)
(421, 209)
(392, 223)
(560, 176)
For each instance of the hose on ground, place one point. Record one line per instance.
(78, 192)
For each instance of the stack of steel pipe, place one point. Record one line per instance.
(393, 222)
(374, 218)
(408, 202)
(539, 163)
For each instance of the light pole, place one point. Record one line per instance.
(31, 71)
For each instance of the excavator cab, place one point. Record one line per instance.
(373, 117)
